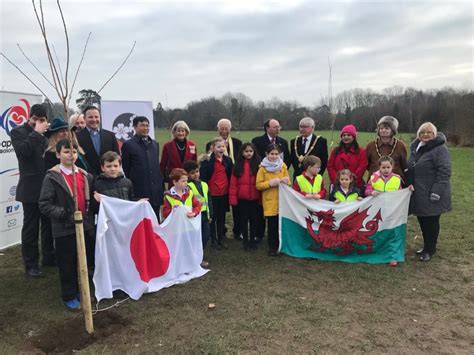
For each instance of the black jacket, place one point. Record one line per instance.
(56, 202)
(261, 143)
(320, 150)
(141, 164)
(119, 187)
(29, 148)
(108, 142)
(207, 168)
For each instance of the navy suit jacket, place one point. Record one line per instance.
(108, 142)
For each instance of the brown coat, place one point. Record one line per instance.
(399, 155)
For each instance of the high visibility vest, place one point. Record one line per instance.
(392, 184)
(305, 185)
(175, 202)
(203, 200)
(338, 195)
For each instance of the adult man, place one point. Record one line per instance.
(29, 144)
(141, 164)
(308, 144)
(232, 144)
(232, 147)
(272, 130)
(94, 140)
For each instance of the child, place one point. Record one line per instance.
(244, 194)
(56, 202)
(201, 190)
(344, 190)
(216, 172)
(180, 195)
(310, 183)
(384, 179)
(272, 172)
(111, 182)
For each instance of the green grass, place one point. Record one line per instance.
(283, 305)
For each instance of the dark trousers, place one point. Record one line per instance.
(156, 209)
(430, 229)
(260, 222)
(248, 213)
(273, 239)
(66, 258)
(220, 204)
(32, 218)
(205, 229)
(236, 229)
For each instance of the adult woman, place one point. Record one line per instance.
(77, 120)
(348, 155)
(178, 150)
(59, 130)
(429, 171)
(387, 144)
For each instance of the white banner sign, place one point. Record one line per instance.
(14, 111)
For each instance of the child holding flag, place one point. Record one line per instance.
(180, 195)
(344, 190)
(384, 179)
(310, 183)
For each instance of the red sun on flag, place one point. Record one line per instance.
(149, 251)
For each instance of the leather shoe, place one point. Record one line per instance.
(420, 251)
(425, 257)
(34, 273)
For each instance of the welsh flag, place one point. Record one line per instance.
(369, 231)
(137, 255)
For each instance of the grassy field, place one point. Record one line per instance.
(274, 305)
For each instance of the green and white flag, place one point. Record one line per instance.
(369, 231)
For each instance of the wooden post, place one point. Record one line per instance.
(83, 273)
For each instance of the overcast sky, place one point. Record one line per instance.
(189, 50)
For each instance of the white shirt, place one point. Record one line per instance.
(308, 142)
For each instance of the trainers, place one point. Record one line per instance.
(204, 264)
(393, 263)
(72, 305)
(34, 273)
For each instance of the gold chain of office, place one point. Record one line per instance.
(301, 157)
(377, 147)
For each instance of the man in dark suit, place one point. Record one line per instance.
(232, 147)
(29, 143)
(308, 144)
(141, 164)
(94, 140)
(272, 130)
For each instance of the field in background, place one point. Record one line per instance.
(280, 305)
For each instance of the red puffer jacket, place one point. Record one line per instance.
(356, 162)
(243, 188)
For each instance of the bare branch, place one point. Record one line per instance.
(79, 67)
(26, 76)
(59, 66)
(34, 66)
(120, 67)
(67, 47)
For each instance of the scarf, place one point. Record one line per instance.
(272, 167)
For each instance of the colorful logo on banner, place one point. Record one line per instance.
(15, 116)
(123, 126)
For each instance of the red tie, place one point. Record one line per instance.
(273, 140)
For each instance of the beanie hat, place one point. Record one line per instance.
(390, 121)
(349, 129)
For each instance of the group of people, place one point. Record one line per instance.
(228, 175)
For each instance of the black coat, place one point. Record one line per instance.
(236, 144)
(207, 168)
(56, 202)
(320, 150)
(29, 148)
(108, 142)
(261, 143)
(141, 164)
(119, 187)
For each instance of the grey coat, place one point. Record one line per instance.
(429, 170)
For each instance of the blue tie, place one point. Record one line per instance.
(95, 136)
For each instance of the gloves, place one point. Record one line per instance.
(274, 182)
(434, 197)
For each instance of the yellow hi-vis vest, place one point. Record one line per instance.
(202, 199)
(392, 184)
(338, 195)
(305, 185)
(175, 202)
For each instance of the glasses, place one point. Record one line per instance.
(303, 126)
(427, 133)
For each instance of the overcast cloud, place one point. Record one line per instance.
(189, 50)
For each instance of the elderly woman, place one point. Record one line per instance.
(429, 171)
(387, 144)
(178, 150)
(77, 120)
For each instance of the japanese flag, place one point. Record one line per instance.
(137, 255)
